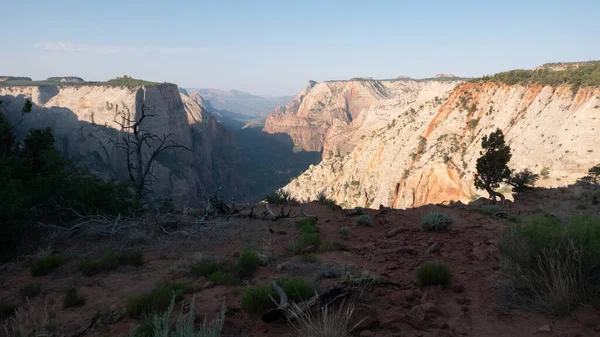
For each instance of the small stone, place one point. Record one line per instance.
(209, 284)
(366, 333)
(462, 271)
(287, 266)
(545, 329)
(395, 231)
(480, 254)
(263, 260)
(461, 300)
(458, 288)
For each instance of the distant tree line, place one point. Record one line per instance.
(584, 75)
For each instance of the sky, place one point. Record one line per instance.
(275, 47)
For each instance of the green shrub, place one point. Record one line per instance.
(193, 287)
(434, 274)
(308, 258)
(491, 209)
(248, 263)
(46, 265)
(280, 197)
(344, 232)
(155, 301)
(204, 267)
(258, 298)
(34, 174)
(581, 206)
(306, 242)
(364, 220)
(307, 225)
(31, 290)
(72, 299)
(223, 279)
(558, 264)
(6, 310)
(111, 260)
(436, 222)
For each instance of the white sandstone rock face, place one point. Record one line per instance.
(334, 116)
(85, 122)
(428, 155)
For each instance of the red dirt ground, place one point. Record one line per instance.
(469, 308)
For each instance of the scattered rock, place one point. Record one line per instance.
(287, 266)
(209, 284)
(545, 329)
(480, 253)
(417, 317)
(462, 300)
(395, 231)
(263, 260)
(405, 249)
(458, 288)
(366, 333)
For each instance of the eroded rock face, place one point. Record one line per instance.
(86, 124)
(428, 155)
(334, 116)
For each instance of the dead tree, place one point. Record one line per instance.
(141, 148)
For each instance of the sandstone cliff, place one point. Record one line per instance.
(84, 119)
(427, 153)
(334, 116)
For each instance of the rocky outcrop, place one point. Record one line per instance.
(85, 120)
(427, 152)
(334, 116)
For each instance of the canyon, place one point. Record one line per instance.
(408, 143)
(86, 121)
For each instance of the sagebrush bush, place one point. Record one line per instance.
(434, 274)
(364, 220)
(223, 279)
(73, 299)
(259, 298)
(436, 222)
(155, 301)
(111, 260)
(204, 267)
(46, 265)
(31, 290)
(329, 321)
(160, 325)
(248, 263)
(344, 232)
(558, 264)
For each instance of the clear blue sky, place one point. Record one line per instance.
(275, 47)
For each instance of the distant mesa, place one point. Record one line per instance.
(13, 78)
(558, 66)
(66, 79)
(445, 76)
(401, 77)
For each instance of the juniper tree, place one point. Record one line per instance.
(492, 168)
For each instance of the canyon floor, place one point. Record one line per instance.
(393, 247)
